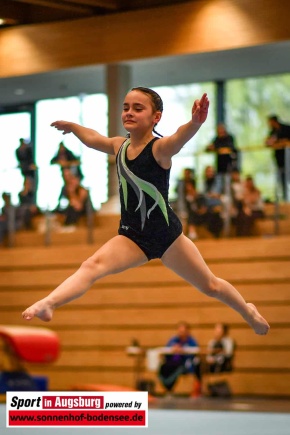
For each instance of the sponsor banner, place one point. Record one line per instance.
(80, 409)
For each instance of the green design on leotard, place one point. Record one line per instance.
(139, 186)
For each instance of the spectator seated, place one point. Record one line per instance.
(219, 360)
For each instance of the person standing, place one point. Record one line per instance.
(25, 159)
(224, 146)
(66, 159)
(186, 196)
(278, 134)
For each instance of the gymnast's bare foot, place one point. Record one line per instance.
(41, 309)
(256, 321)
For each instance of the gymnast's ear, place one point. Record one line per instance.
(157, 117)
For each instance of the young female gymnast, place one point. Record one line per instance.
(148, 227)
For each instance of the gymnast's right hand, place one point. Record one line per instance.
(41, 309)
(64, 126)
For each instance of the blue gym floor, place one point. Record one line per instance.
(182, 417)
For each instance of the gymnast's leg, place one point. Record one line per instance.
(184, 259)
(117, 255)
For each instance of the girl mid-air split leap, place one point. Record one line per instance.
(149, 228)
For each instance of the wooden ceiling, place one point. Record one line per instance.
(25, 12)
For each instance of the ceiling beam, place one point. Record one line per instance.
(177, 30)
(58, 4)
(11, 10)
(106, 4)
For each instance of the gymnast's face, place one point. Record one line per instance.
(138, 113)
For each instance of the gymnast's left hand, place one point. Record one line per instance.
(200, 110)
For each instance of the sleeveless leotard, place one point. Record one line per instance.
(146, 216)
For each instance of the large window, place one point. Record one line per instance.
(91, 111)
(248, 104)
(178, 102)
(13, 127)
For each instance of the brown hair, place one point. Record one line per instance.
(155, 99)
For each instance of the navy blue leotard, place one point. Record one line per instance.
(146, 216)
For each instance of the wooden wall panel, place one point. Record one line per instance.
(262, 384)
(146, 304)
(265, 359)
(140, 317)
(95, 358)
(257, 383)
(179, 293)
(278, 338)
(227, 249)
(191, 27)
(239, 272)
(65, 379)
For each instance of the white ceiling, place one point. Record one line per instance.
(243, 62)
